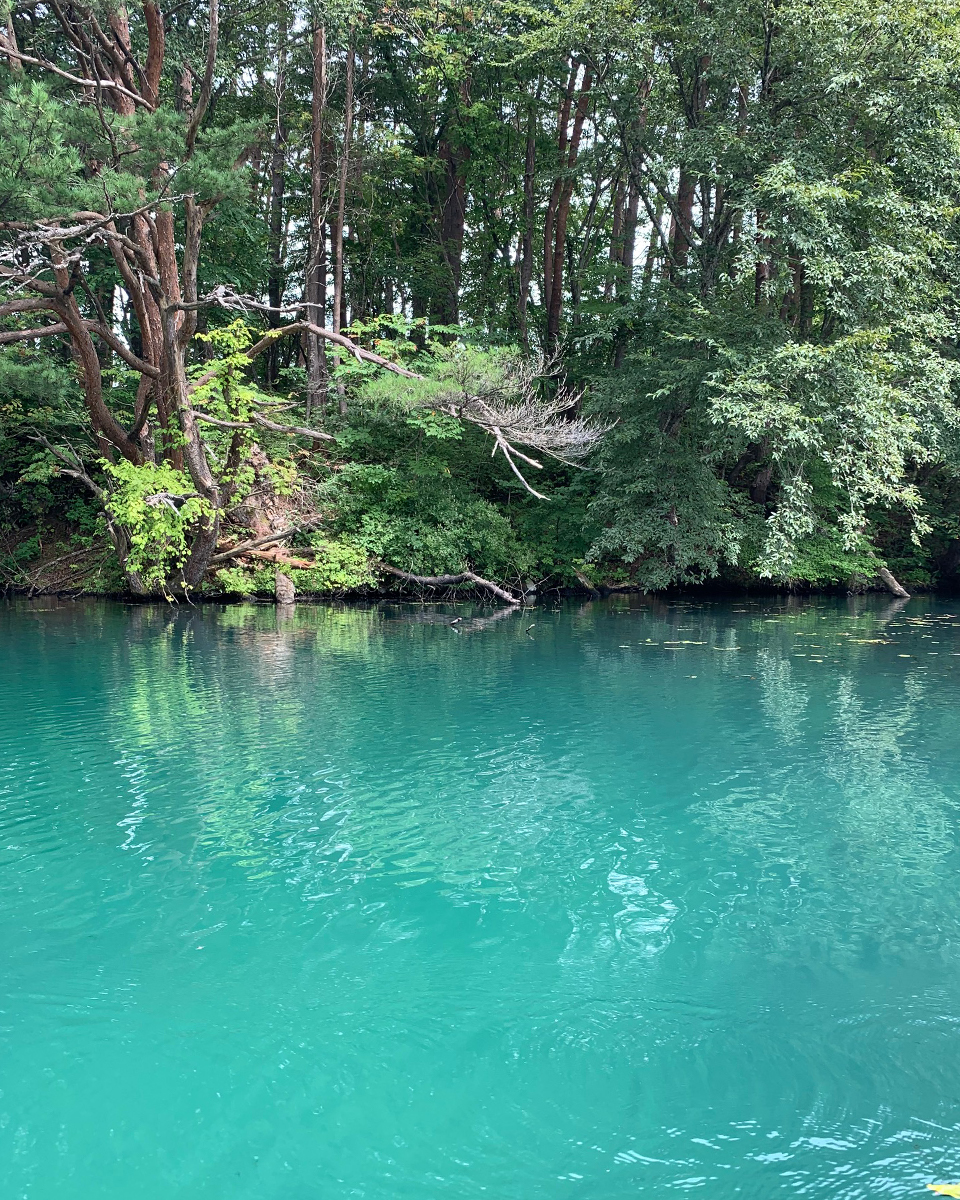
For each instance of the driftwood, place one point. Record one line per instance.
(276, 555)
(256, 548)
(897, 588)
(450, 580)
(256, 543)
(585, 582)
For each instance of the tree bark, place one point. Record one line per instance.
(682, 222)
(336, 238)
(526, 252)
(278, 165)
(454, 155)
(450, 581)
(892, 584)
(285, 592)
(555, 305)
(563, 132)
(316, 281)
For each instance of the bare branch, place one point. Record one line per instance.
(513, 410)
(220, 424)
(449, 581)
(256, 543)
(295, 429)
(12, 307)
(72, 464)
(93, 84)
(516, 470)
(116, 344)
(257, 419)
(24, 335)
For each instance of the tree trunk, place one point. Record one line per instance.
(563, 132)
(336, 238)
(615, 255)
(526, 252)
(555, 305)
(278, 163)
(316, 281)
(682, 223)
(284, 590)
(624, 282)
(454, 155)
(892, 584)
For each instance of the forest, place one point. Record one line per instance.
(509, 296)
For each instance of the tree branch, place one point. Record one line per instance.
(12, 307)
(124, 351)
(256, 543)
(256, 419)
(449, 581)
(77, 79)
(24, 335)
(296, 429)
(358, 352)
(206, 86)
(73, 465)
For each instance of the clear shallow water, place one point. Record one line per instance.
(358, 905)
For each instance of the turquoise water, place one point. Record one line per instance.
(358, 904)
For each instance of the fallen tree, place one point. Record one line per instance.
(451, 581)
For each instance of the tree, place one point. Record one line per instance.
(106, 173)
(732, 228)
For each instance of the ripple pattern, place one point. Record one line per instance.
(356, 903)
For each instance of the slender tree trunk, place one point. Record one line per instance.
(628, 253)
(681, 224)
(631, 216)
(317, 267)
(15, 65)
(654, 249)
(526, 252)
(278, 162)
(453, 154)
(615, 255)
(563, 132)
(563, 211)
(337, 238)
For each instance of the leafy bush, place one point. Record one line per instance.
(157, 506)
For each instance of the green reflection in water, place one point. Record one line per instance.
(358, 903)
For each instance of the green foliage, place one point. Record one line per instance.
(340, 567)
(822, 558)
(779, 375)
(244, 581)
(157, 507)
(37, 163)
(421, 518)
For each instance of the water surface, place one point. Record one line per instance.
(574, 904)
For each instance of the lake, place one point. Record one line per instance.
(572, 903)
